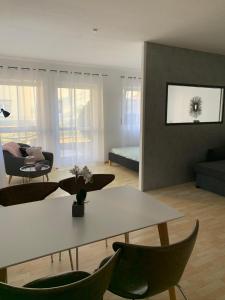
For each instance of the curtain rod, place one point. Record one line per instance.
(130, 77)
(67, 71)
(54, 70)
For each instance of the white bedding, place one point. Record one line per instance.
(128, 152)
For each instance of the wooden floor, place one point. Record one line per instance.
(204, 277)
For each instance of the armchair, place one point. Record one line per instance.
(13, 164)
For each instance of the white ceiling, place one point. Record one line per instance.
(61, 30)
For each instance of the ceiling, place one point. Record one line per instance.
(62, 30)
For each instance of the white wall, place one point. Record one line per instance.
(112, 92)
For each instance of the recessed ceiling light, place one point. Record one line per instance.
(95, 30)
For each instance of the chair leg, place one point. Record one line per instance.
(52, 258)
(3, 275)
(60, 256)
(71, 259)
(106, 243)
(47, 177)
(182, 292)
(10, 178)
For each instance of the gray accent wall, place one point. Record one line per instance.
(170, 152)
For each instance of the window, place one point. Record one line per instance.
(131, 104)
(131, 108)
(60, 111)
(21, 125)
(80, 123)
(73, 105)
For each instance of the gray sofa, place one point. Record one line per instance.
(13, 164)
(210, 175)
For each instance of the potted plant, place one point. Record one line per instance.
(78, 205)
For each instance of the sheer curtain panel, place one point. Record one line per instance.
(80, 113)
(131, 103)
(60, 111)
(21, 93)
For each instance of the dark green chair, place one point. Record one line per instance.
(74, 285)
(26, 193)
(145, 271)
(99, 181)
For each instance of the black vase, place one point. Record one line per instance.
(77, 210)
(81, 196)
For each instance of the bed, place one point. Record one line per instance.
(125, 156)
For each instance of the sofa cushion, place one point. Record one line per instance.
(23, 151)
(12, 148)
(36, 152)
(214, 169)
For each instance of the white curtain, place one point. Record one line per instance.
(21, 93)
(60, 111)
(2, 169)
(131, 103)
(80, 118)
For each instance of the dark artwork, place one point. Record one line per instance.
(196, 107)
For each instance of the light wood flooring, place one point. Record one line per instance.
(204, 277)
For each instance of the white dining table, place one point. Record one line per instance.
(37, 229)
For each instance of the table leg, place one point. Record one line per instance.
(77, 259)
(127, 240)
(164, 240)
(3, 275)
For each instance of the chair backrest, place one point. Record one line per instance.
(92, 287)
(151, 270)
(73, 187)
(24, 193)
(23, 145)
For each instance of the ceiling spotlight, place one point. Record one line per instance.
(95, 30)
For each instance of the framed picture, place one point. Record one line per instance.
(194, 104)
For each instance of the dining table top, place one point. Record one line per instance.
(36, 229)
